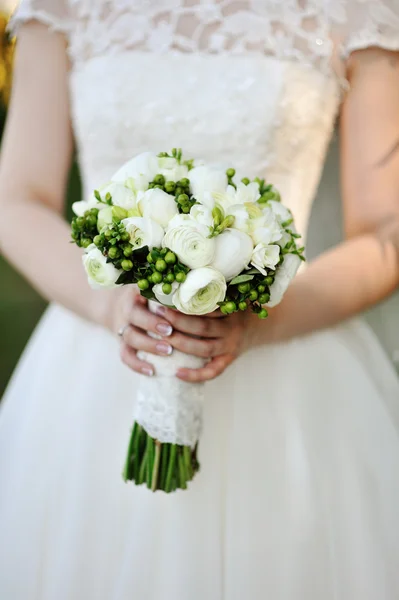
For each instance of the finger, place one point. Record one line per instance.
(213, 369)
(205, 348)
(136, 339)
(129, 358)
(142, 318)
(199, 326)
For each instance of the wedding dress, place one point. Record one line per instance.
(298, 494)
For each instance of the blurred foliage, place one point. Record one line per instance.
(20, 306)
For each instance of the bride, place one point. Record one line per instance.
(298, 494)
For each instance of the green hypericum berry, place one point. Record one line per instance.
(156, 277)
(170, 258)
(161, 265)
(75, 236)
(158, 186)
(242, 306)
(170, 187)
(128, 251)
(253, 295)
(264, 298)
(184, 182)
(223, 310)
(98, 240)
(170, 278)
(261, 289)
(230, 173)
(183, 199)
(114, 253)
(263, 314)
(127, 265)
(108, 233)
(159, 179)
(91, 221)
(143, 284)
(243, 288)
(86, 242)
(245, 181)
(167, 288)
(230, 307)
(125, 237)
(178, 191)
(269, 280)
(149, 258)
(186, 210)
(180, 277)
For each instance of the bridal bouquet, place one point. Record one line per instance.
(196, 238)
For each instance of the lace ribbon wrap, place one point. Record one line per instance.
(169, 409)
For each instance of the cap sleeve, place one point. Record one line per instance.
(368, 23)
(53, 13)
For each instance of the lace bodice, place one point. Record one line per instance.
(255, 83)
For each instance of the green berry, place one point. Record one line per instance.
(243, 288)
(230, 307)
(263, 314)
(180, 277)
(167, 288)
(170, 278)
(186, 210)
(269, 280)
(223, 310)
(230, 173)
(158, 186)
(161, 265)
(125, 237)
(143, 284)
(184, 182)
(156, 277)
(98, 240)
(170, 187)
(159, 180)
(178, 191)
(183, 199)
(114, 253)
(85, 242)
(108, 234)
(242, 306)
(170, 258)
(91, 221)
(253, 295)
(264, 298)
(128, 251)
(127, 265)
(261, 289)
(80, 222)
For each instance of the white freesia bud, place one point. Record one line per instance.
(157, 205)
(142, 169)
(285, 274)
(248, 217)
(265, 256)
(143, 232)
(104, 218)
(165, 299)
(233, 253)
(270, 231)
(100, 273)
(200, 294)
(205, 181)
(189, 240)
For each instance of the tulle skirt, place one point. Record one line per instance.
(297, 498)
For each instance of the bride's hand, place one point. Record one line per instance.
(216, 337)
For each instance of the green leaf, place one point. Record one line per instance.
(241, 279)
(149, 294)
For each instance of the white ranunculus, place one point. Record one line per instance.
(270, 231)
(143, 232)
(206, 181)
(265, 256)
(202, 215)
(248, 217)
(142, 169)
(200, 294)
(285, 274)
(157, 205)
(100, 273)
(233, 253)
(104, 218)
(189, 240)
(121, 195)
(165, 299)
(171, 169)
(244, 194)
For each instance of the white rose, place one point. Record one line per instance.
(165, 299)
(233, 253)
(200, 294)
(265, 256)
(143, 232)
(285, 274)
(157, 205)
(205, 181)
(100, 273)
(189, 240)
(248, 217)
(270, 231)
(141, 169)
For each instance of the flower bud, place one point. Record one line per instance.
(230, 173)
(143, 284)
(253, 295)
(243, 306)
(127, 265)
(230, 307)
(243, 288)
(263, 314)
(98, 240)
(217, 215)
(167, 288)
(170, 258)
(159, 180)
(264, 298)
(114, 253)
(245, 181)
(128, 251)
(86, 242)
(156, 277)
(180, 277)
(119, 213)
(170, 187)
(161, 265)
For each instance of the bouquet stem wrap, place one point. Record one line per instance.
(167, 424)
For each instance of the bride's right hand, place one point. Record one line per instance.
(129, 315)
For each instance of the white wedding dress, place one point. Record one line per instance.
(298, 494)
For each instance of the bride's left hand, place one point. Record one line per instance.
(216, 337)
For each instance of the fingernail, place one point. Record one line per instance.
(164, 329)
(147, 371)
(163, 348)
(160, 310)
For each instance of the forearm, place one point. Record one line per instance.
(36, 241)
(338, 285)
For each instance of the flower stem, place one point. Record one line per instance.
(171, 469)
(143, 468)
(182, 471)
(164, 465)
(150, 459)
(157, 461)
